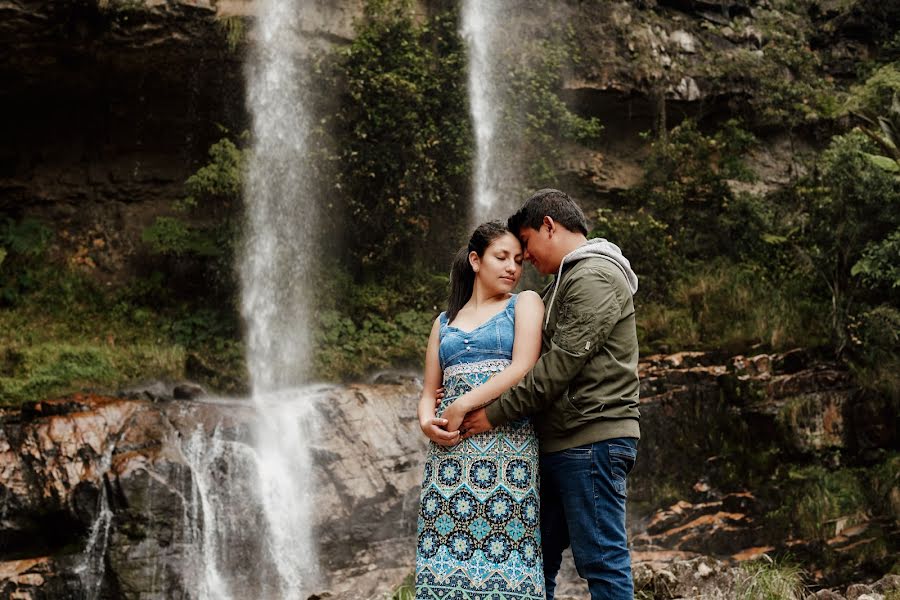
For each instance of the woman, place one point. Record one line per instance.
(478, 532)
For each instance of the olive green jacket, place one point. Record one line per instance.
(584, 386)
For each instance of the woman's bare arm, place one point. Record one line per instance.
(431, 426)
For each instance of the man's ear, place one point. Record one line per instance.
(551, 225)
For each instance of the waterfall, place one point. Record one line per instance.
(481, 30)
(280, 203)
(92, 567)
(277, 268)
(249, 515)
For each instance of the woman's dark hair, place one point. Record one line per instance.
(462, 277)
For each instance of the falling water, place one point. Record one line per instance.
(481, 30)
(91, 569)
(276, 271)
(280, 203)
(240, 550)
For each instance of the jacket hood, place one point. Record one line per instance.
(600, 248)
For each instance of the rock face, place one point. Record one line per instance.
(124, 497)
(112, 104)
(105, 496)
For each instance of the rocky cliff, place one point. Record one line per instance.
(109, 105)
(103, 495)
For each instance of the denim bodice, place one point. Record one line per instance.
(492, 340)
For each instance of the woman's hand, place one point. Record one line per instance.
(434, 430)
(454, 415)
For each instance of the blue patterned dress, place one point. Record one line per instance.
(478, 532)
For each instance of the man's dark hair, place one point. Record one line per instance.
(548, 203)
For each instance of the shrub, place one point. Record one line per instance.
(848, 207)
(201, 239)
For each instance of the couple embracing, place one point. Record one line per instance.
(532, 406)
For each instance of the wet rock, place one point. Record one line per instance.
(156, 391)
(188, 391)
(38, 578)
(687, 90)
(826, 595)
(815, 421)
(118, 472)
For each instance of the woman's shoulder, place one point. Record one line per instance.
(529, 298)
(529, 302)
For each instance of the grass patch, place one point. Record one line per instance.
(817, 503)
(730, 306)
(51, 368)
(767, 579)
(69, 335)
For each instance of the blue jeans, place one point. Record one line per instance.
(583, 492)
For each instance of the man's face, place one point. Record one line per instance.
(538, 249)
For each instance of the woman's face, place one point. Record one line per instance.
(501, 266)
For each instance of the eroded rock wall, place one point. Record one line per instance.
(718, 434)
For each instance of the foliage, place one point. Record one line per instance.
(767, 579)
(724, 305)
(875, 343)
(201, 239)
(234, 28)
(406, 590)
(22, 245)
(36, 372)
(535, 119)
(405, 132)
(685, 186)
(687, 211)
(646, 242)
(885, 132)
(848, 206)
(361, 328)
(784, 78)
(817, 501)
(73, 333)
(874, 96)
(879, 265)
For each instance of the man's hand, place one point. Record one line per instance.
(434, 430)
(438, 398)
(475, 422)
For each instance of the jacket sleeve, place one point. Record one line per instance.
(588, 310)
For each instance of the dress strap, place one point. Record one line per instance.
(442, 319)
(511, 307)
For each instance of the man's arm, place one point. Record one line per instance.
(590, 308)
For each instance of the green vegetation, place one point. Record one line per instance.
(405, 137)
(22, 244)
(767, 579)
(234, 29)
(69, 333)
(406, 590)
(201, 239)
(817, 503)
(535, 119)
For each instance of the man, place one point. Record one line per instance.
(582, 394)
